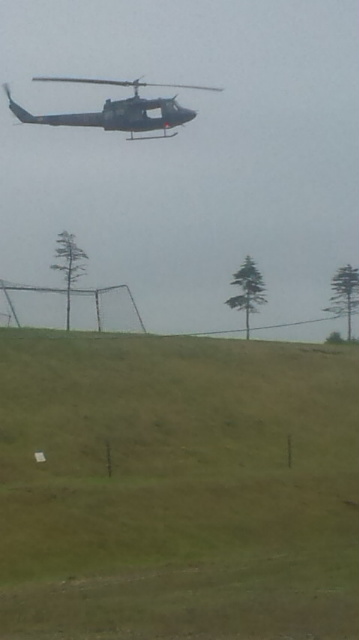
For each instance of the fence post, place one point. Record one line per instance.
(98, 311)
(289, 451)
(108, 458)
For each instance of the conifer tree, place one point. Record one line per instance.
(345, 300)
(251, 282)
(71, 254)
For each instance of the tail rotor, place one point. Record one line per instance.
(7, 90)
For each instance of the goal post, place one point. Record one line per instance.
(102, 309)
(100, 300)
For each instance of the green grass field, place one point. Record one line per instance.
(203, 531)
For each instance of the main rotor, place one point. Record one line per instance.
(125, 83)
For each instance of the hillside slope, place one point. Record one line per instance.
(201, 500)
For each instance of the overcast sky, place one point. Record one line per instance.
(269, 167)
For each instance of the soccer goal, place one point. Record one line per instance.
(104, 309)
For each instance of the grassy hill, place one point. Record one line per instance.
(203, 530)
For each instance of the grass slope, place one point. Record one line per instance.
(203, 530)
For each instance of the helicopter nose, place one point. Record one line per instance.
(190, 114)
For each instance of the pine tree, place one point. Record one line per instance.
(251, 282)
(345, 301)
(71, 254)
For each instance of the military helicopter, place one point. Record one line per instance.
(133, 115)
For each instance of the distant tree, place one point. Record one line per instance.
(334, 338)
(71, 254)
(345, 300)
(251, 282)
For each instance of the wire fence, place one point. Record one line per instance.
(270, 326)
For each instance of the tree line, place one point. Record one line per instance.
(345, 284)
(344, 301)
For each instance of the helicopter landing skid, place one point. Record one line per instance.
(165, 135)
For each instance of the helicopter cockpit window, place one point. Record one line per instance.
(174, 106)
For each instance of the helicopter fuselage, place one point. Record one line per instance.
(132, 115)
(139, 114)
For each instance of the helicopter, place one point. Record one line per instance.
(133, 115)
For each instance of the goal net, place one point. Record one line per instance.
(105, 309)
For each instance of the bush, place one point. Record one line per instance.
(335, 338)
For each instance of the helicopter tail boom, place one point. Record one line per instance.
(70, 119)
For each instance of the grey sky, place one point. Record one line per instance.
(269, 167)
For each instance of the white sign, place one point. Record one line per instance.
(39, 456)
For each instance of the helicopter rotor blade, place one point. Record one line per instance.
(125, 83)
(183, 86)
(122, 83)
